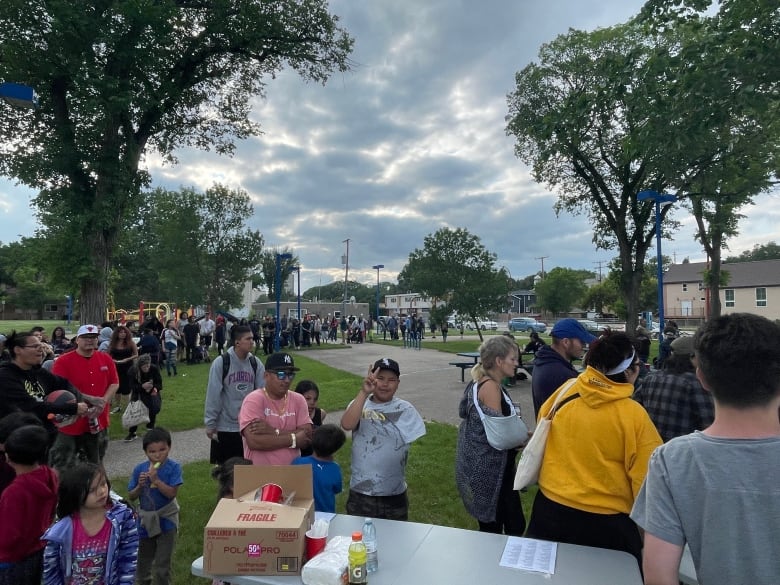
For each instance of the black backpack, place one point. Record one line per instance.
(226, 364)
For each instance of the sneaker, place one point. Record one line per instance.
(116, 409)
(130, 437)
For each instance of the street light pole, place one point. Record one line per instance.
(658, 198)
(278, 291)
(298, 268)
(345, 262)
(377, 267)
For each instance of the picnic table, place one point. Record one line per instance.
(474, 356)
(464, 365)
(420, 554)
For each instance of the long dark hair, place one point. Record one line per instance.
(115, 341)
(75, 483)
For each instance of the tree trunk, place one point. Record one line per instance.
(94, 288)
(631, 286)
(715, 274)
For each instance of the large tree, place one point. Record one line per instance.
(189, 248)
(561, 289)
(454, 266)
(716, 129)
(576, 116)
(121, 79)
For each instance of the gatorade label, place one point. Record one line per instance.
(357, 574)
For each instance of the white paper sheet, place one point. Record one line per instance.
(529, 554)
(327, 516)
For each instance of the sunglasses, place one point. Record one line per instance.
(284, 375)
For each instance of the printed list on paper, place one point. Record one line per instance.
(529, 554)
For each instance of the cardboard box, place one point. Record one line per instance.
(247, 537)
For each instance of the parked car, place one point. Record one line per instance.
(484, 324)
(591, 326)
(454, 322)
(528, 324)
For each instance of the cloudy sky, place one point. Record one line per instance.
(410, 141)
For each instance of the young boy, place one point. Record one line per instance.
(155, 483)
(8, 424)
(327, 439)
(717, 489)
(383, 427)
(26, 507)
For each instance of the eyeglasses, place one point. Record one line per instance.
(284, 375)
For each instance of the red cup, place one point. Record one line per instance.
(271, 492)
(314, 545)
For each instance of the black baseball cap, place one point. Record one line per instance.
(387, 364)
(280, 361)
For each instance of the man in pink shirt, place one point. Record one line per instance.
(274, 422)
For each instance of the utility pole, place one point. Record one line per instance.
(599, 263)
(542, 259)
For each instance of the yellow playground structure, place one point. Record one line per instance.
(146, 309)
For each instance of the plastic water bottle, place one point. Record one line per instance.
(369, 539)
(357, 560)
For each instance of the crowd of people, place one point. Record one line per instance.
(638, 463)
(54, 420)
(638, 460)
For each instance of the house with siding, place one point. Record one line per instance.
(749, 287)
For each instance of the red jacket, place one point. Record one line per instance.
(27, 508)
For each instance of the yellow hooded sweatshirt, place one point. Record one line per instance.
(598, 447)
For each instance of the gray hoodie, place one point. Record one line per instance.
(105, 338)
(224, 397)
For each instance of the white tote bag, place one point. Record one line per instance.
(502, 432)
(135, 414)
(533, 453)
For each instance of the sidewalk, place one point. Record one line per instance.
(427, 381)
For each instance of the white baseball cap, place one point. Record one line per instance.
(88, 330)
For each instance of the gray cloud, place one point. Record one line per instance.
(409, 141)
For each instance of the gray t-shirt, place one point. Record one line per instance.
(722, 497)
(380, 447)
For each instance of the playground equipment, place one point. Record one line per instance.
(146, 309)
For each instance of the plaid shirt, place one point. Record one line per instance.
(676, 403)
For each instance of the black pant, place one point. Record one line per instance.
(228, 445)
(27, 571)
(553, 521)
(388, 507)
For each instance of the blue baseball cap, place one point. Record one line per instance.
(572, 329)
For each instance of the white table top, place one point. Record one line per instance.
(423, 554)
